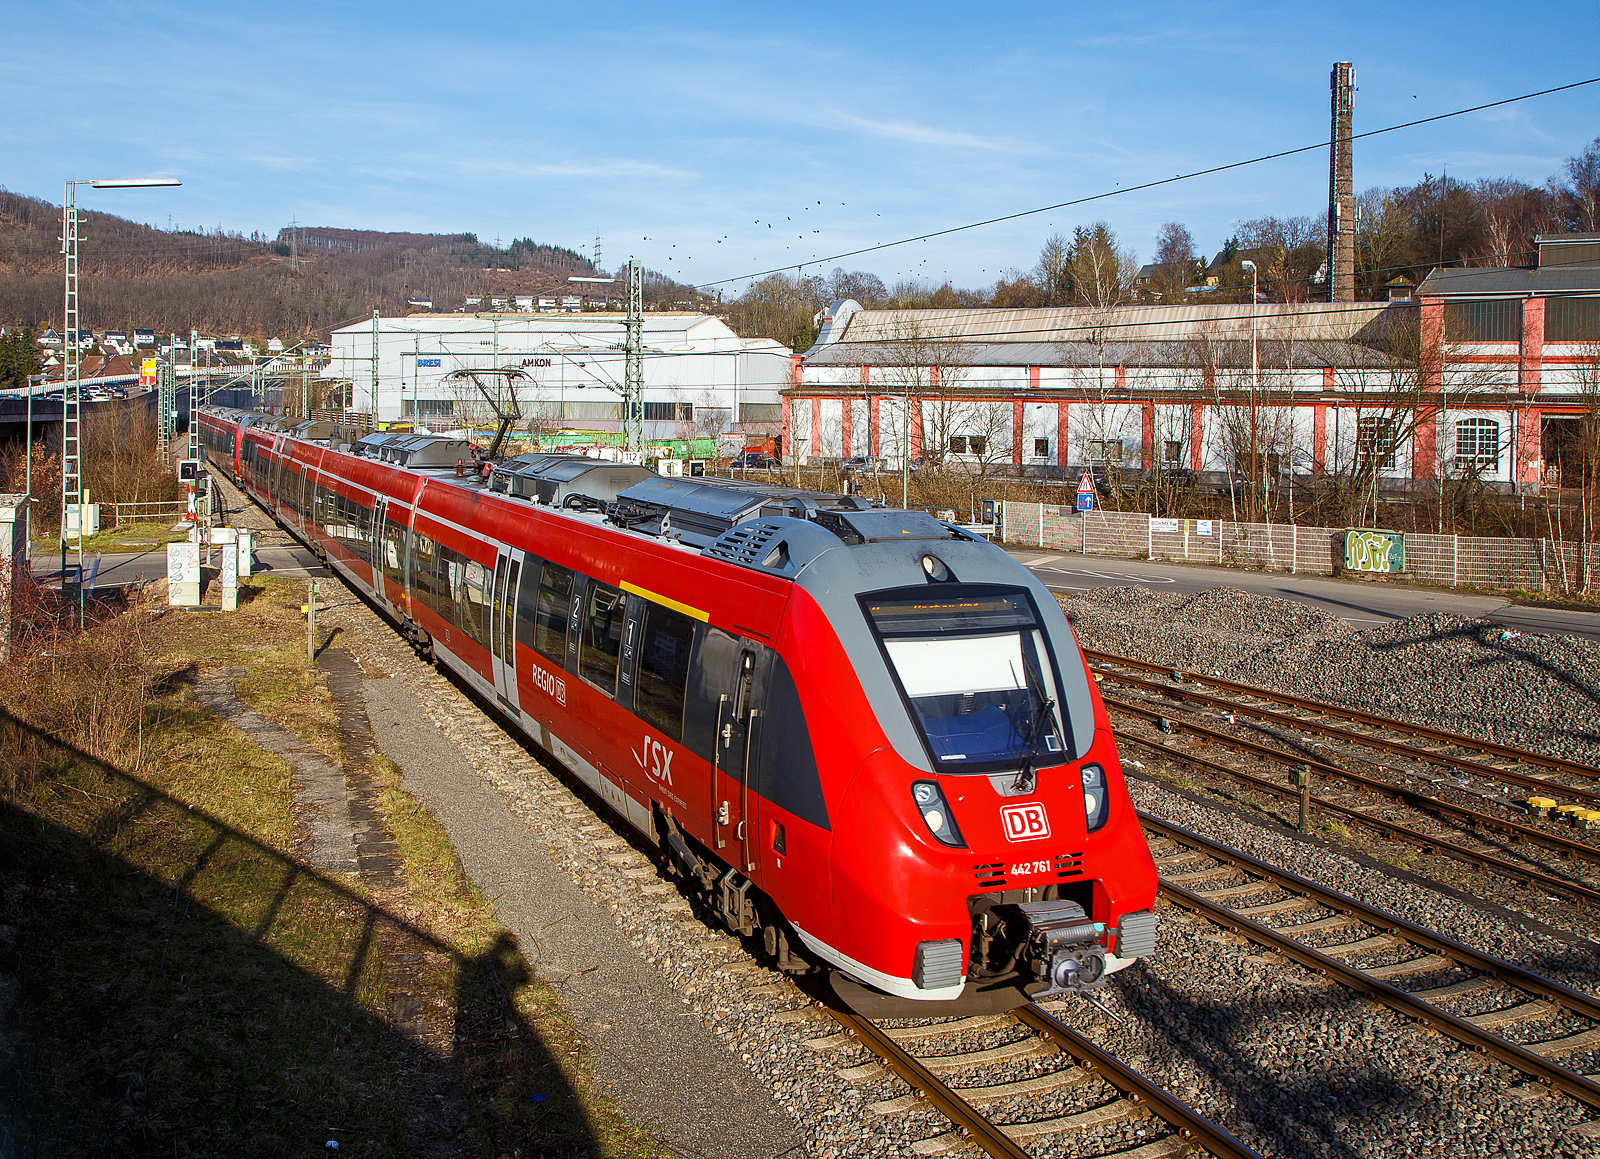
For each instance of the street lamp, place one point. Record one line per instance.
(72, 387)
(1249, 267)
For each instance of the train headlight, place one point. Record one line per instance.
(935, 813)
(1096, 802)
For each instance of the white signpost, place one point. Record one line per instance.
(183, 575)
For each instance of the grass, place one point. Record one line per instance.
(185, 987)
(152, 536)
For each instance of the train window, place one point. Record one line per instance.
(360, 530)
(600, 636)
(786, 770)
(975, 669)
(469, 598)
(447, 582)
(528, 602)
(550, 620)
(393, 559)
(662, 673)
(422, 564)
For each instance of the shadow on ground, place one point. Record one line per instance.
(170, 985)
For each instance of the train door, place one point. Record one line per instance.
(508, 570)
(376, 548)
(733, 671)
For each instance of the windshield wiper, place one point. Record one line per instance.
(1025, 775)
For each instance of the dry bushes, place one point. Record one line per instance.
(86, 689)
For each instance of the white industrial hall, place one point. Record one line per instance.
(700, 378)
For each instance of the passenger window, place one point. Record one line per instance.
(555, 604)
(447, 583)
(663, 668)
(422, 563)
(528, 602)
(600, 637)
(469, 602)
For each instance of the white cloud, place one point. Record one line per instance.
(926, 134)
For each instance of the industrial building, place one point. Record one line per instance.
(1484, 373)
(700, 378)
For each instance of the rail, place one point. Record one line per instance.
(1455, 740)
(1442, 951)
(1004, 1141)
(1509, 870)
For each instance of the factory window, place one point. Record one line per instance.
(663, 674)
(600, 636)
(428, 408)
(550, 617)
(1041, 448)
(1375, 442)
(1478, 445)
(968, 444)
(1105, 450)
(682, 412)
(1571, 319)
(1172, 452)
(761, 412)
(1494, 321)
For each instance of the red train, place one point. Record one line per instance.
(869, 738)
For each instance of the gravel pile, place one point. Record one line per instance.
(1468, 676)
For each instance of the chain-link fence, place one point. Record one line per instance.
(1541, 565)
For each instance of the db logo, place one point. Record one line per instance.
(1025, 822)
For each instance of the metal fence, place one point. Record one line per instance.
(143, 512)
(1541, 565)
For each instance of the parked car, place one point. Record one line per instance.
(861, 464)
(754, 459)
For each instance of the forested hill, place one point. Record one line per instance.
(221, 282)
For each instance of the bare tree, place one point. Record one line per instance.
(932, 368)
(1102, 272)
(1175, 262)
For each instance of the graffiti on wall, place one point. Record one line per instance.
(1374, 551)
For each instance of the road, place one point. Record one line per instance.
(1364, 604)
(119, 569)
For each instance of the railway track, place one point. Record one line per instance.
(1524, 1020)
(1577, 782)
(951, 1066)
(1473, 836)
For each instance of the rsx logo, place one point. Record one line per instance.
(656, 760)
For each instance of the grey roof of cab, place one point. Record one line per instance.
(835, 575)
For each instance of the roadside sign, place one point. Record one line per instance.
(1202, 527)
(1085, 485)
(1086, 501)
(1165, 526)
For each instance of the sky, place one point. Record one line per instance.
(719, 141)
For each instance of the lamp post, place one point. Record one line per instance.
(72, 387)
(1249, 267)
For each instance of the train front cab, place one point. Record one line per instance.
(951, 871)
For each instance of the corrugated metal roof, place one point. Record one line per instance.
(1233, 352)
(1305, 320)
(1503, 282)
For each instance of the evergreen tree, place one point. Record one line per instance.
(19, 358)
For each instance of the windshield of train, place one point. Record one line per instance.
(976, 670)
